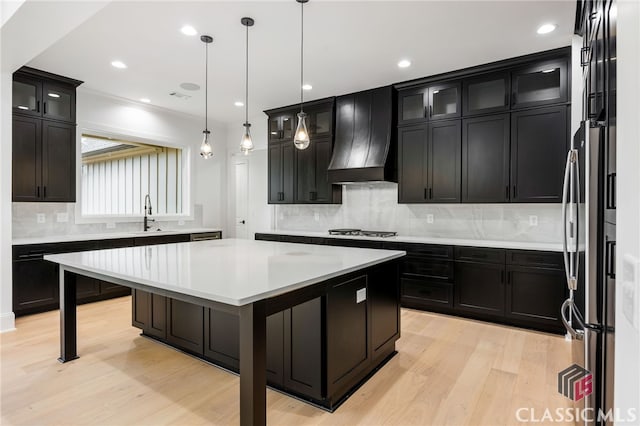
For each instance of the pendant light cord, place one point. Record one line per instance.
(206, 86)
(246, 93)
(301, 54)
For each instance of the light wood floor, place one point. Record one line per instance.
(448, 371)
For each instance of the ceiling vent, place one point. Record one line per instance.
(180, 95)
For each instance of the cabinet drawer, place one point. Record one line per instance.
(267, 237)
(431, 250)
(486, 255)
(535, 258)
(424, 266)
(344, 242)
(427, 292)
(295, 239)
(162, 239)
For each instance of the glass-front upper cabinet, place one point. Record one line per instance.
(58, 102)
(412, 105)
(486, 94)
(26, 95)
(282, 126)
(444, 101)
(541, 84)
(320, 121)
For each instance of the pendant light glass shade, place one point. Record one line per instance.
(206, 150)
(246, 144)
(301, 139)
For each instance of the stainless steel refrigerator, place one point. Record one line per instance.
(589, 312)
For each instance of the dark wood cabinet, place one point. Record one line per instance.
(312, 181)
(149, 312)
(445, 100)
(384, 304)
(539, 143)
(429, 162)
(485, 159)
(27, 159)
(413, 105)
(543, 83)
(58, 161)
(300, 176)
(281, 172)
(86, 288)
(44, 138)
(535, 294)
(485, 94)
(35, 286)
(480, 288)
(185, 325)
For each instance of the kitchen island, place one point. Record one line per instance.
(357, 291)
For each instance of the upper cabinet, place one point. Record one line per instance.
(300, 176)
(43, 136)
(431, 102)
(485, 94)
(540, 84)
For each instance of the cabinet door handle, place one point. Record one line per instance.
(611, 191)
(610, 260)
(37, 106)
(584, 56)
(44, 190)
(44, 105)
(430, 110)
(431, 193)
(38, 191)
(425, 194)
(514, 192)
(506, 192)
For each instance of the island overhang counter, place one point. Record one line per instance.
(357, 292)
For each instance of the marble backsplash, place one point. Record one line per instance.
(25, 224)
(374, 206)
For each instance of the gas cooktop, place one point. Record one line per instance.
(362, 233)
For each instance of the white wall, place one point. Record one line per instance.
(627, 350)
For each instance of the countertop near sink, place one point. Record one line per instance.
(107, 236)
(515, 245)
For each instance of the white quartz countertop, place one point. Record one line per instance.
(515, 245)
(235, 272)
(106, 236)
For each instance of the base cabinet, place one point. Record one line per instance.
(319, 350)
(480, 288)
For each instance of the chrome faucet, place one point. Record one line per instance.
(147, 209)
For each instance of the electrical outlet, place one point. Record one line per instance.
(361, 295)
(533, 220)
(429, 218)
(316, 217)
(41, 218)
(111, 225)
(181, 222)
(62, 217)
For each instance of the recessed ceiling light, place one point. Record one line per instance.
(546, 28)
(307, 87)
(118, 64)
(238, 103)
(145, 100)
(405, 63)
(22, 107)
(53, 95)
(188, 30)
(189, 86)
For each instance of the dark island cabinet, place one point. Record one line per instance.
(485, 159)
(149, 312)
(539, 143)
(429, 162)
(44, 137)
(185, 325)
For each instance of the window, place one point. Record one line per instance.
(117, 174)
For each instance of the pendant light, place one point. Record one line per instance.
(301, 138)
(206, 151)
(246, 144)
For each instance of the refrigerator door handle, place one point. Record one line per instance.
(572, 157)
(567, 306)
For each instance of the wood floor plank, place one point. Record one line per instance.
(448, 371)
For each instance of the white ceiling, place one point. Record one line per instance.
(349, 46)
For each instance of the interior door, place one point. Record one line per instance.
(242, 191)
